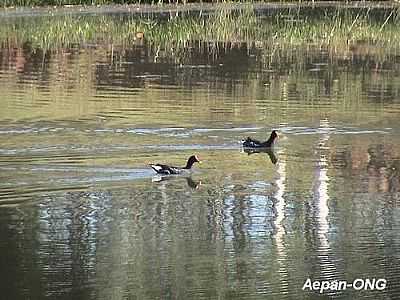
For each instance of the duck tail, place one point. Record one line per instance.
(155, 167)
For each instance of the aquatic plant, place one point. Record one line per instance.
(173, 34)
(62, 2)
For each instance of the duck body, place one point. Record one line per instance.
(253, 143)
(165, 169)
(171, 170)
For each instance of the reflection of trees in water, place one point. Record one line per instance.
(29, 63)
(241, 236)
(57, 246)
(162, 240)
(383, 170)
(105, 67)
(19, 254)
(380, 161)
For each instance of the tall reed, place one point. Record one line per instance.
(338, 28)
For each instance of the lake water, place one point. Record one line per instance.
(83, 216)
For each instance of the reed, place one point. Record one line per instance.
(337, 29)
(8, 3)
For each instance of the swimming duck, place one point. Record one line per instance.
(251, 143)
(170, 170)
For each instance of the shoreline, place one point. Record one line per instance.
(22, 11)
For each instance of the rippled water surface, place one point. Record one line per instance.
(82, 216)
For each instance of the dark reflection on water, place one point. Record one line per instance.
(194, 184)
(82, 216)
(269, 152)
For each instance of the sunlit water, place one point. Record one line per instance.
(82, 215)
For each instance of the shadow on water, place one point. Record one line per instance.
(268, 151)
(194, 184)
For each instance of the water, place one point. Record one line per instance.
(82, 216)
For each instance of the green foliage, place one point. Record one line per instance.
(338, 28)
(8, 3)
(64, 2)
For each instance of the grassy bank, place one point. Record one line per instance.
(30, 3)
(82, 54)
(8, 3)
(336, 28)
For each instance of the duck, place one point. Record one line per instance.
(252, 143)
(171, 170)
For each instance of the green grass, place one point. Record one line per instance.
(9, 3)
(99, 2)
(282, 42)
(338, 28)
(65, 2)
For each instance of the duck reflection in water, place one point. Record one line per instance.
(269, 151)
(194, 184)
(383, 170)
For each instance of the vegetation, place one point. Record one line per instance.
(88, 2)
(337, 28)
(65, 2)
(99, 2)
(282, 42)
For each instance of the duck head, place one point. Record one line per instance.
(272, 137)
(193, 159)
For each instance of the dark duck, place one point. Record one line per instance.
(170, 170)
(252, 143)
